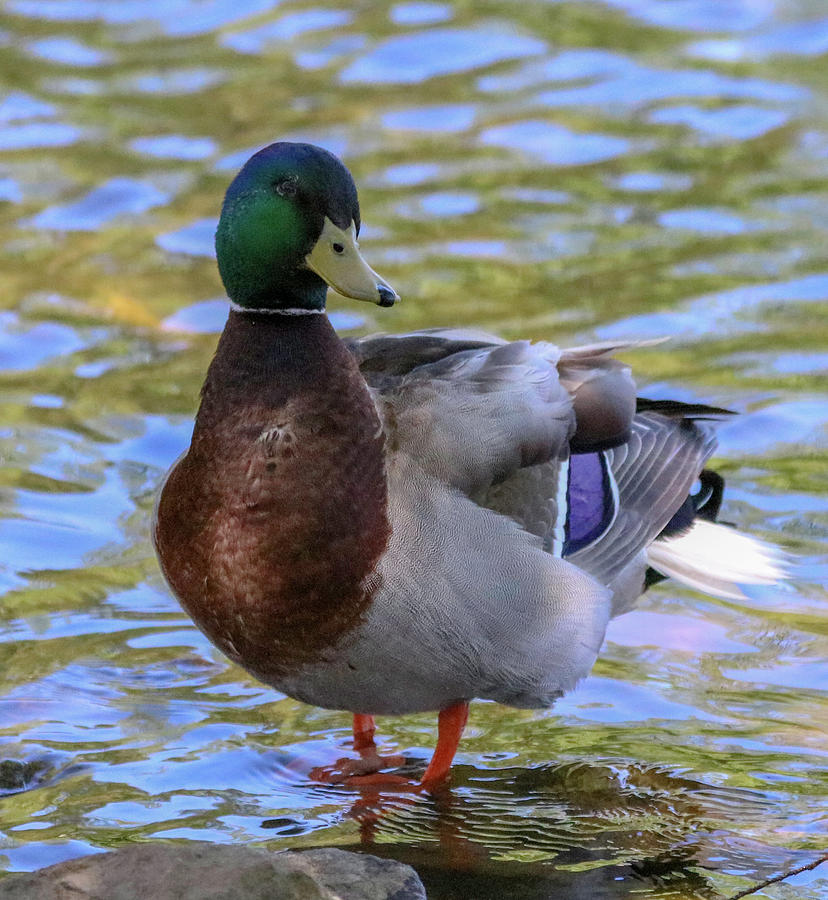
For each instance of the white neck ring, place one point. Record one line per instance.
(291, 311)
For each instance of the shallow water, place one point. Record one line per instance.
(558, 170)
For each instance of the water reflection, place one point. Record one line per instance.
(182, 18)
(525, 843)
(559, 170)
(285, 29)
(68, 52)
(175, 146)
(451, 117)
(699, 15)
(808, 38)
(116, 198)
(739, 123)
(554, 144)
(417, 57)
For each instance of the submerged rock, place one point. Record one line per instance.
(204, 871)
(17, 776)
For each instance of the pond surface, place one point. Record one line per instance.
(565, 171)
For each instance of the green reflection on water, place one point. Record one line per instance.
(696, 750)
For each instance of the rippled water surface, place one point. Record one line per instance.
(562, 170)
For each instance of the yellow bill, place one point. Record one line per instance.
(336, 259)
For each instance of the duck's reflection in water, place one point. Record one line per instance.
(577, 831)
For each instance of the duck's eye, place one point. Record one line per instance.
(338, 248)
(286, 187)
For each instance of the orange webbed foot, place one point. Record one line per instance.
(367, 770)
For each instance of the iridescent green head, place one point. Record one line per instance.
(288, 230)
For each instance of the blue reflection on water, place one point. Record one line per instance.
(320, 56)
(698, 15)
(787, 423)
(175, 146)
(795, 39)
(420, 13)
(68, 51)
(413, 58)
(285, 29)
(152, 706)
(10, 190)
(717, 313)
(175, 17)
(645, 182)
(410, 173)
(173, 81)
(18, 105)
(568, 65)
(738, 123)
(29, 856)
(706, 221)
(114, 199)
(197, 239)
(635, 86)
(30, 135)
(27, 345)
(555, 144)
(451, 117)
(440, 204)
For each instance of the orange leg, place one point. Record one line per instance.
(364, 772)
(364, 729)
(450, 725)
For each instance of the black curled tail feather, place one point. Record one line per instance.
(704, 503)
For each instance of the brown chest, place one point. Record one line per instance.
(270, 529)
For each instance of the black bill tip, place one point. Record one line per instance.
(387, 297)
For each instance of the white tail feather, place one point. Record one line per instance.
(717, 560)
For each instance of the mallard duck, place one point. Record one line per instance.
(403, 523)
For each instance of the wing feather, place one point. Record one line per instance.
(654, 472)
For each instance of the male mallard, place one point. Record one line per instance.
(404, 523)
